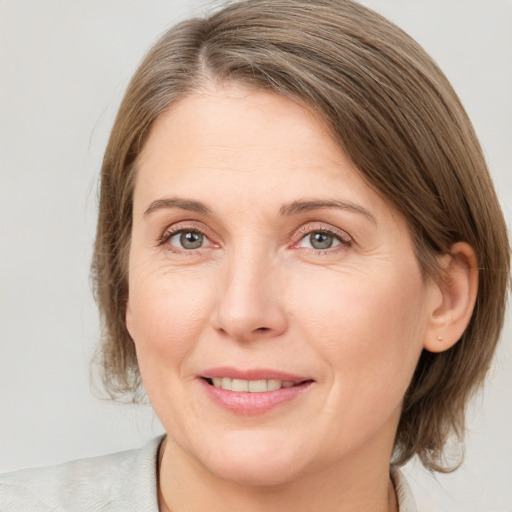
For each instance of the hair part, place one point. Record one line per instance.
(393, 113)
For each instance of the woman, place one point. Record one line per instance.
(300, 252)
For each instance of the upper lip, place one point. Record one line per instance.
(252, 374)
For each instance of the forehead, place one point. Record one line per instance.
(223, 119)
(246, 146)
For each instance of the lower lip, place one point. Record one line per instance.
(251, 404)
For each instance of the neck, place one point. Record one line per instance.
(186, 486)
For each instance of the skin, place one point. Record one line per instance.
(354, 317)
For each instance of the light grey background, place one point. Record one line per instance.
(64, 65)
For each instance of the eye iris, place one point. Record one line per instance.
(321, 240)
(191, 240)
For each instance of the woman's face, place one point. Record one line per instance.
(275, 300)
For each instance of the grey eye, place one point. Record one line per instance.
(187, 240)
(191, 240)
(321, 240)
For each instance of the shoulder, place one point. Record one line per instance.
(404, 494)
(119, 482)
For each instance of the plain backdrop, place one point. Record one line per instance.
(64, 65)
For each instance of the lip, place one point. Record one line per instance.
(252, 404)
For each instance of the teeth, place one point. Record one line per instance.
(257, 386)
(273, 385)
(239, 385)
(251, 386)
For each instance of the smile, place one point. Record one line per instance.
(253, 392)
(250, 386)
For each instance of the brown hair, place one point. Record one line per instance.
(391, 110)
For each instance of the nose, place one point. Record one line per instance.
(250, 299)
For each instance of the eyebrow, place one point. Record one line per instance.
(175, 202)
(301, 206)
(293, 208)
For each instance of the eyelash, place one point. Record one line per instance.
(169, 233)
(345, 240)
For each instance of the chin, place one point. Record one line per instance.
(255, 459)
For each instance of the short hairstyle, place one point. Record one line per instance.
(393, 113)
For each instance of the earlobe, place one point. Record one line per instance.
(458, 285)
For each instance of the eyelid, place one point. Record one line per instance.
(181, 226)
(317, 227)
(302, 232)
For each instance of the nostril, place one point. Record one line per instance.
(263, 329)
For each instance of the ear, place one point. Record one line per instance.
(458, 287)
(129, 317)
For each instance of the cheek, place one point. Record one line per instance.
(369, 329)
(166, 315)
(369, 335)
